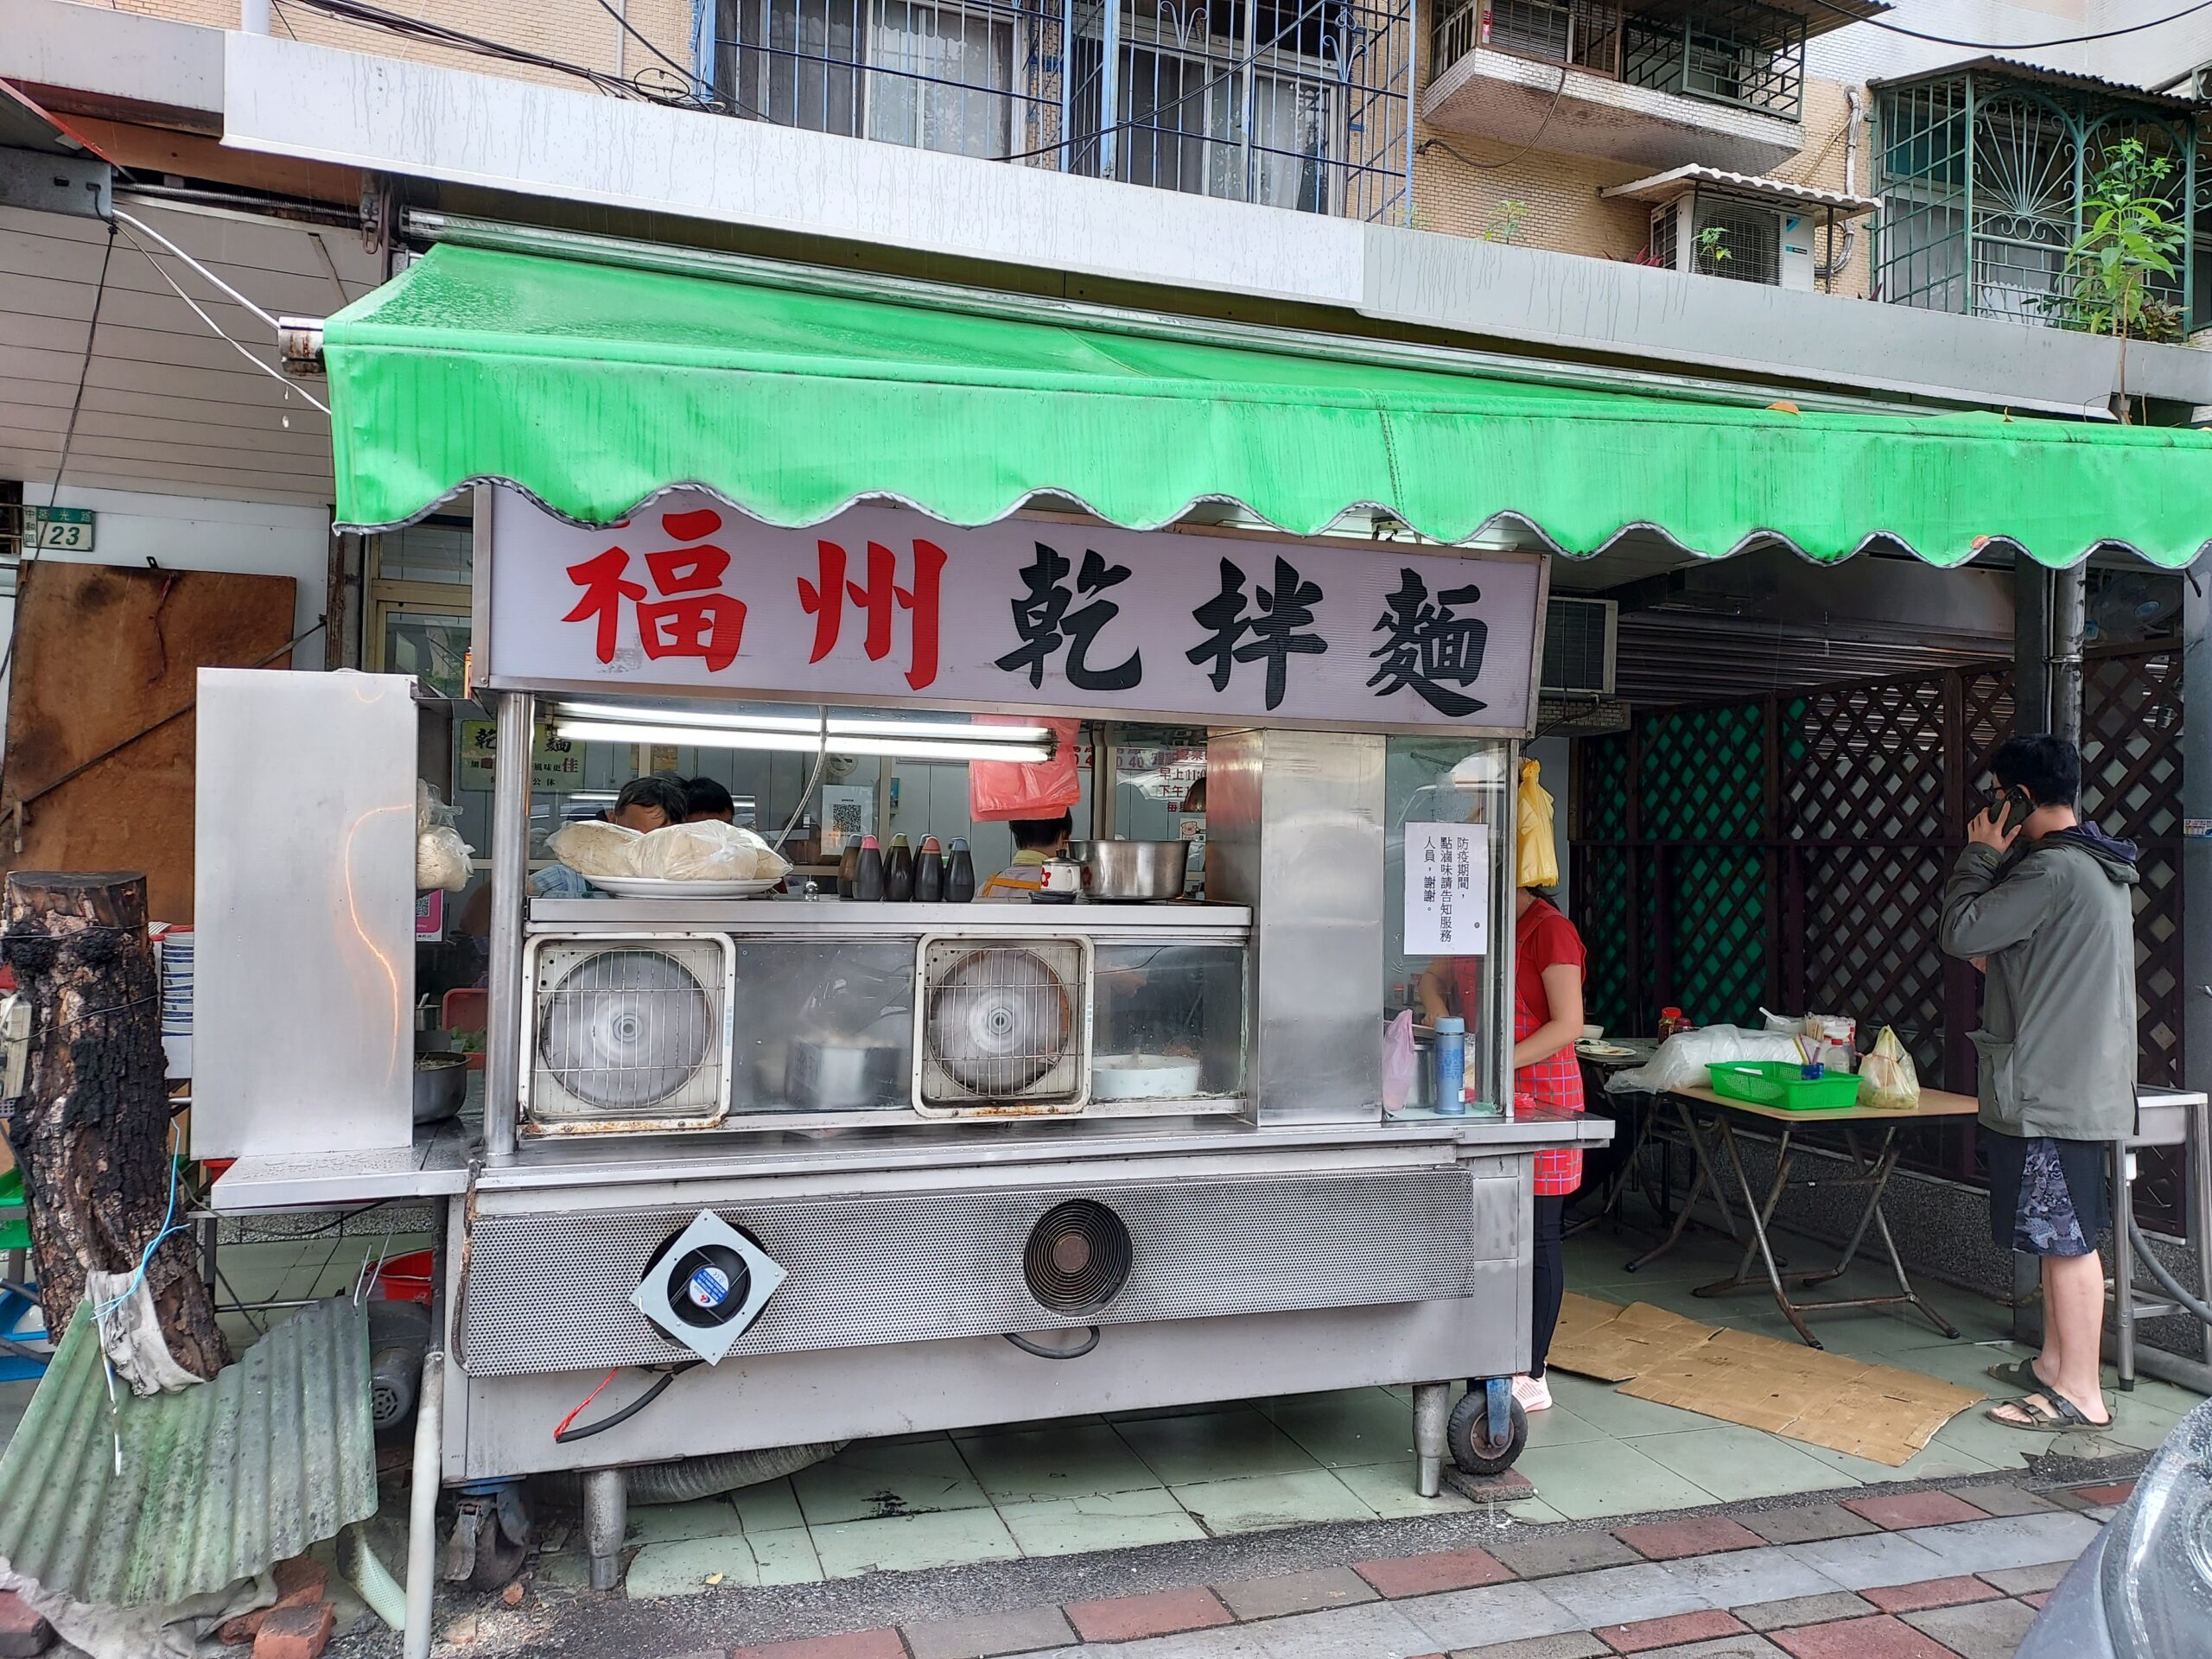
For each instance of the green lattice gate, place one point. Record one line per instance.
(1790, 854)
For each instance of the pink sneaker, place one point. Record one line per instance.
(1533, 1393)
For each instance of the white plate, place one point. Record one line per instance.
(653, 886)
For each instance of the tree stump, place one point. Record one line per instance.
(92, 1132)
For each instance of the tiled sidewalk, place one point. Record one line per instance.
(1927, 1574)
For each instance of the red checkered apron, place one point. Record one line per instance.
(1556, 1082)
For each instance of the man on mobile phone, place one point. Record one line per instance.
(2041, 902)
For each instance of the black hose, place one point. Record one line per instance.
(566, 1436)
(1042, 1352)
(2167, 1282)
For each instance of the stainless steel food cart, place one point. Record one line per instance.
(736, 1147)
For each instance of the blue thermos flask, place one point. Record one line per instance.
(1451, 1066)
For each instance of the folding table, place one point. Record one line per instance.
(1870, 1172)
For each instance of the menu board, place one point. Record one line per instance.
(1447, 889)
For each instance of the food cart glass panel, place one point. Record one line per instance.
(823, 1025)
(1168, 1021)
(1459, 784)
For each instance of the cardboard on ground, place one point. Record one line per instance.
(1614, 1343)
(1875, 1412)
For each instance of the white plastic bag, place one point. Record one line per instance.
(1398, 1062)
(442, 861)
(594, 846)
(706, 851)
(1685, 1060)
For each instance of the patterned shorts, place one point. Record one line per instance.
(2046, 1195)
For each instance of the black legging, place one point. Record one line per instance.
(1551, 1278)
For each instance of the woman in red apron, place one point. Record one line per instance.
(1547, 965)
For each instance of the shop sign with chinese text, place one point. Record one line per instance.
(555, 762)
(1447, 889)
(884, 604)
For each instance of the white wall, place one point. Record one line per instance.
(2149, 58)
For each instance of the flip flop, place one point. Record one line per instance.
(2018, 1374)
(2048, 1412)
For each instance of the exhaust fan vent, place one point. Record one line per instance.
(1005, 1025)
(705, 1286)
(627, 1032)
(1078, 1257)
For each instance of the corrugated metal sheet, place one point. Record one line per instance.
(2020, 69)
(1666, 657)
(275, 1454)
(1665, 187)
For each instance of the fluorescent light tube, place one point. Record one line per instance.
(810, 724)
(960, 731)
(702, 737)
(922, 748)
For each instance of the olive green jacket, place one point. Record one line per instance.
(2055, 924)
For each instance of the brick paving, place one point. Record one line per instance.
(1957, 1574)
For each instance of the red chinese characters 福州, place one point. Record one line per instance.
(689, 615)
(880, 596)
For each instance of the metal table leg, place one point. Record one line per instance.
(1760, 1214)
(1631, 1171)
(1873, 1175)
(2123, 1269)
(1704, 1178)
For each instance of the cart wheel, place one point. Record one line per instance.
(1468, 1435)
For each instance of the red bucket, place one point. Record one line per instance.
(409, 1278)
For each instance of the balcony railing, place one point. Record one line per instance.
(1301, 104)
(1729, 51)
(1985, 178)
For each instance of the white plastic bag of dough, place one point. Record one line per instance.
(442, 861)
(706, 851)
(595, 847)
(1686, 1060)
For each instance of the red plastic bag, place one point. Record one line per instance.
(998, 790)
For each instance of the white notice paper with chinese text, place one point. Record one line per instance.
(1447, 889)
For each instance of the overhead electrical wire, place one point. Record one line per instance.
(275, 374)
(2014, 45)
(26, 556)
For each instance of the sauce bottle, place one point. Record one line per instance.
(899, 872)
(867, 876)
(929, 873)
(959, 874)
(849, 867)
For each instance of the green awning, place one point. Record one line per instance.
(591, 386)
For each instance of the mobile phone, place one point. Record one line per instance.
(2008, 809)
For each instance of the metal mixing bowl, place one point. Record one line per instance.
(441, 1086)
(1132, 872)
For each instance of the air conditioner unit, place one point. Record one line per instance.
(1704, 233)
(1003, 1026)
(628, 1033)
(1578, 642)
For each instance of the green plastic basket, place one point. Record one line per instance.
(1783, 1086)
(15, 1221)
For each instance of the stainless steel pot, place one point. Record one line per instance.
(441, 1086)
(840, 1075)
(1132, 872)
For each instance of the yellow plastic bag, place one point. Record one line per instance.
(1536, 860)
(1888, 1080)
